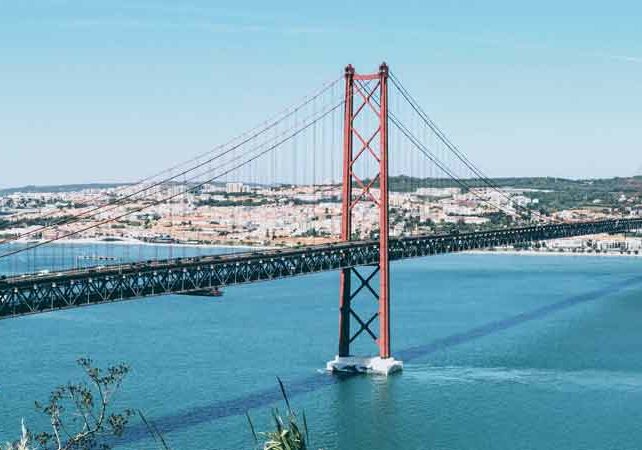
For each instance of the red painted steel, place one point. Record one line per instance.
(368, 104)
(346, 216)
(384, 263)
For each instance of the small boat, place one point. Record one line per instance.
(213, 292)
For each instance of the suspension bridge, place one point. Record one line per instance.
(349, 179)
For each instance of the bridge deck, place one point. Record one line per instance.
(30, 294)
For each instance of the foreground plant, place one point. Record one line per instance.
(23, 444)
(80, 413)
(81, 417)
(288, 434)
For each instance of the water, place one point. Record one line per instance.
(501, 352)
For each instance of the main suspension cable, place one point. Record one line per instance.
(258, 131)
(172, 196)
(456, 151)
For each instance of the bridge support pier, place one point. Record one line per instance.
(369, 365)
(371, 91)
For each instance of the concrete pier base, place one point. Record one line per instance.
(372, 365)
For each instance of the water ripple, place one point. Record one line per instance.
(264, 398)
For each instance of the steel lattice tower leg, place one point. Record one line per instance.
(370, 92)
(345, 289)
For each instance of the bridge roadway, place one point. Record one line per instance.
(32, 293)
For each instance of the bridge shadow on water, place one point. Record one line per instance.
(267, 397)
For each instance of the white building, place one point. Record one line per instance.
(236, 188)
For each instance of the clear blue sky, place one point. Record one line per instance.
(111, 91)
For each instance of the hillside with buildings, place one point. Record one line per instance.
(237, 213)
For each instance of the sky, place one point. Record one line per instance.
(112, 91)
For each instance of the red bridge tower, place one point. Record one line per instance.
(365, 94)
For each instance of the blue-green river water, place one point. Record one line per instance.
(500, 351)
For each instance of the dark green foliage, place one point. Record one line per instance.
(628, 184)
(36, 221)
(287, 434)
(554, 194)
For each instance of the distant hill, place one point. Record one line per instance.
(79, 187)
(60, 188)
(617, 184)
(405, 183)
